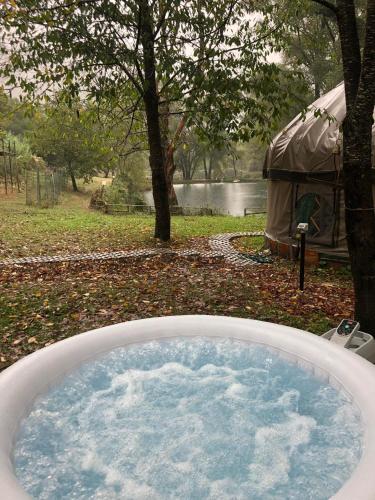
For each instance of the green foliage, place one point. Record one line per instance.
(196, 157)
(313, 45)
(190, 153)
(129, 183)
(24, 154)
(70, 138)
(212, 58)
(15, 117)
(251, 157)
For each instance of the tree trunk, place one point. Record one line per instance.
(194, 165)
(359, 218)
(151, 101)
(169, 165)
(170, 168)
(73, 179)
(185, 167)
(188, 169)
(359, 76)
(205, 168)
(234, 167)
(210, 167)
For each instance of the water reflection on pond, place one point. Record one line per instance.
(229, 198)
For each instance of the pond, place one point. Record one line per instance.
(228, 197)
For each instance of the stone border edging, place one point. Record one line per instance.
(222, 243)
(219, 244)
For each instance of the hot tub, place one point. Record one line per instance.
(33, 376)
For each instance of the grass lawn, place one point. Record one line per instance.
(41, 304)
(71, 227)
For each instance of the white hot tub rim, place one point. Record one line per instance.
(21, 383)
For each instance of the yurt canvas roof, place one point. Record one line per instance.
(311, 144)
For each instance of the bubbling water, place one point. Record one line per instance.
(190, 419)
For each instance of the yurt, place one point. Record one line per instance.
(303, 170)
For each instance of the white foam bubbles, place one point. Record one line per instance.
(274, 447)
(189, 418)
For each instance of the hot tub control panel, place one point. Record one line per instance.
(345, 332)
(347, 326)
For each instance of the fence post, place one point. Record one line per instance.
(302, 262)
(26, 175)
(54, 200)
(47, 190)
(10, 166)
(16, 167)
(38, 192)
(4, 166)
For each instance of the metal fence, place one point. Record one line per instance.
(9, 172)
(43, 187)
(254, 211)
(110, 208)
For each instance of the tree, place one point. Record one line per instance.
(14, 116)
(24, 155)
(313, 45)
(206, 60)
(215, 159)
(251, 158)
(70, 138)
(130, 181)
(188, 154)
(359, 79)
(194, 155)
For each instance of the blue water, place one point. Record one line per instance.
(189, 419)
